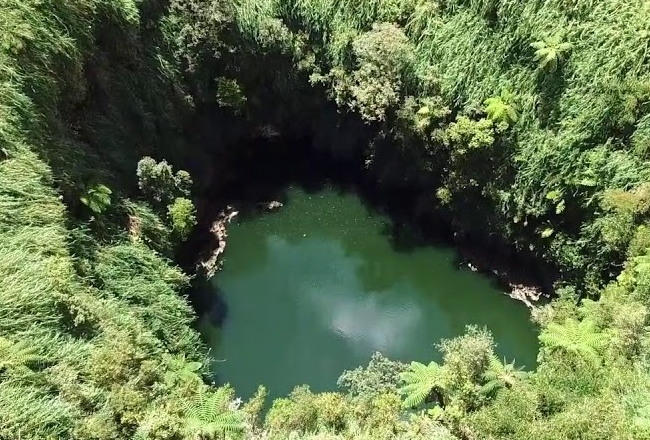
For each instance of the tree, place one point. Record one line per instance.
(230, 94)
(383, 56)
(581, 338)
(213, 416)
(421, 381)
(158, 181)
(467, 357)
(550, 52)
(502, 375)
(182, 370)
(382, 375)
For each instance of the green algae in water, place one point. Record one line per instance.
(316, 287)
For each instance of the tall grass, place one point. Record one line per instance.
(101, 318)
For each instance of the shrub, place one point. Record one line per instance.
(158, 181)
(182, 215)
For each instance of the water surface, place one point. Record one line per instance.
(318, 286)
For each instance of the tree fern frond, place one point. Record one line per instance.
(581, 338)
(550, 52)
(501, 374)
(210, 415)
(490, 386)
(419, 381)
(538, 45)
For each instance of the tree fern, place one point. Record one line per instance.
(581, 338)
(211, 416)
(550, 52)
(501, 108)
(419, 381)
(182, 370)
(502, 375)
(97, 198)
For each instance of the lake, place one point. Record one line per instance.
(317, 286)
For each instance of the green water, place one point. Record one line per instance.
(316, 287)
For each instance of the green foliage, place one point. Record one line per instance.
(468, 356)
(182, 215)
(501, 375)
(501, 108)
(382, 55)
(640, 242)
(580, 338)
(551, 52)
(230, 94)
(304, 411)
(467, 134)
(16, 356)
(144, 225)
(511, 414)
(97, 198)
(96, 341)
(382, 375)
(85, 325)
(182, 370)
(212, 416)
(420, 381)
(254, 406)
(444, 195)
(158, 181)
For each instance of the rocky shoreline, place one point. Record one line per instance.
(210, 260)
(517, 285)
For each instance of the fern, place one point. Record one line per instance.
(501, 109)
(420, 380)
(211, 416)
(502, 375)
(550, 52)
(17, 356)
(97, 198)
(182, 370)
(581, 338)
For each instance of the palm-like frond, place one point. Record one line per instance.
(581, 338)
(550, 52)
(17, 355)
(502, 375)
(500, 110)
(97, 198)
(419, 381)
(210, 415)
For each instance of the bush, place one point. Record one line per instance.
(182, 215)
(381, 376)
(158, 181)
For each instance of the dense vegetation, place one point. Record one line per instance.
(534, 113)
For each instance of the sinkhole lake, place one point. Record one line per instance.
(318, 286)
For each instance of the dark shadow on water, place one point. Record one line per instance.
(206, 295)
(263, 174)
(405, 237)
